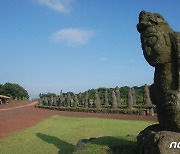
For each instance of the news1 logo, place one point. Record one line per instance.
(175, 145)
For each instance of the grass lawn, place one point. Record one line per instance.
(59, 135)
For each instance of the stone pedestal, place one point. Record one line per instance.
(152, 140)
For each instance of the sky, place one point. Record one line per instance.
(76, 45)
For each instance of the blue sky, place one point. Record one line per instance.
(75, 45)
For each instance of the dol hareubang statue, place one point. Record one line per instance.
(161, 49)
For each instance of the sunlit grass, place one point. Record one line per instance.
(59, 135)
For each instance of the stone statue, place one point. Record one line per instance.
(80, 98)
(45, 101)
(51, 100)
(146, 95)
(118, 95)
(133, 92)
(129, 99)
(106, 101)
(161, 49)
(63, 100)
(58, 101)
(114, 101)
(55, 101)
(86, 102)
(68, 100)
(97, 101)
(61, 93)
(75, 101)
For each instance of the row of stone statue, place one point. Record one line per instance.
(21, 98)
(77, 100)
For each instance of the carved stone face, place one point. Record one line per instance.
(156, 45)
(155, 38)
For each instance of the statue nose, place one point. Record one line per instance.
(141, 15)
(143, 12)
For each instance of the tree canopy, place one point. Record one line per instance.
(13, 90)
(41, 95)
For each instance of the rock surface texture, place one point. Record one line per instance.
(153, 140)
(161, 49)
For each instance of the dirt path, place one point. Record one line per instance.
(16, 107)
(21, 115)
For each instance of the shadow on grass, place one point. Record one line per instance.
(115, 145)
(110, 144)
(63, 146)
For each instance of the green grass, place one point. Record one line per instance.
(60, 134)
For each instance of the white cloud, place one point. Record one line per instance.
(62, 6)
(72, 36)
(102, 59)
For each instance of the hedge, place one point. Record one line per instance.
(133, 111)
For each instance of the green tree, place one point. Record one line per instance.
(49, 95)
(13, 90)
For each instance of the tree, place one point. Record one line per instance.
(13, 90)
(49, 95)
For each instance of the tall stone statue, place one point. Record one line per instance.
(58, 101)
(55, 101)
(161, 49)
(97, 101)
(133, 92)
(146, 95)
(80, 98)
(61, 93)
(63, 100)
(68, 100)
(118, 95)
(86, 102)
(45, 101)
(75, 101)
(114, 101)
(106, 100)
(129, 99)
